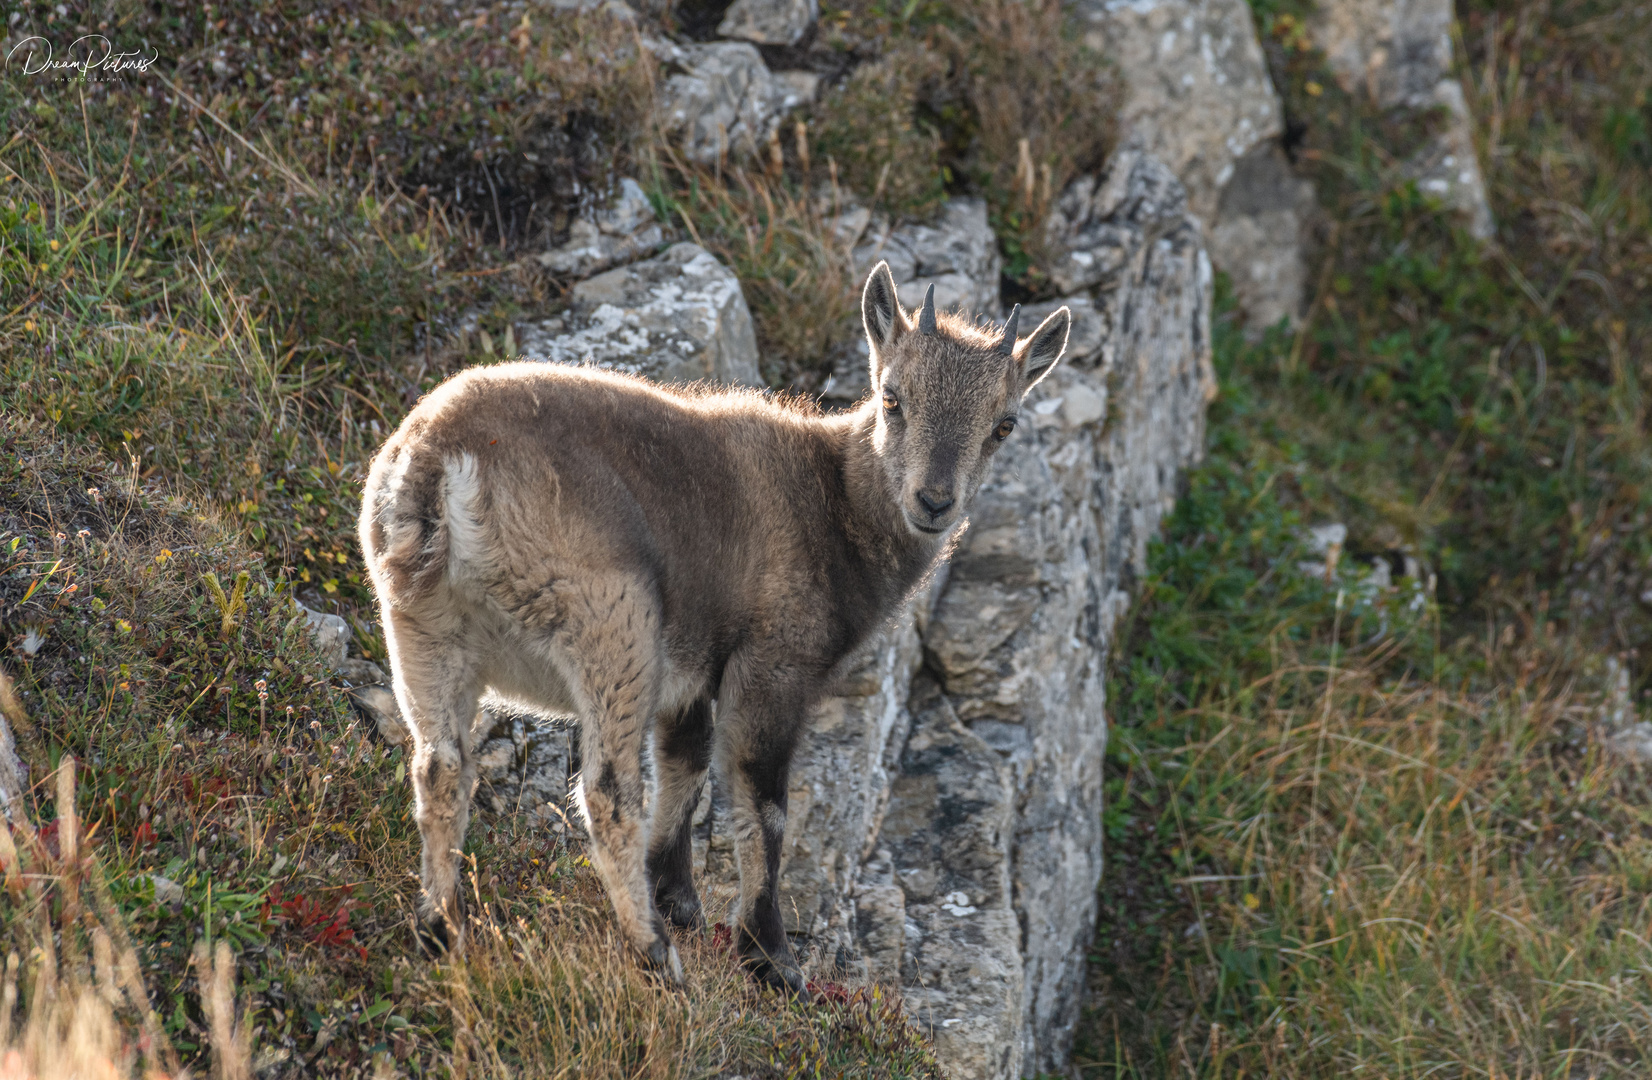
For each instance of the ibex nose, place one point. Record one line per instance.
(936, 503)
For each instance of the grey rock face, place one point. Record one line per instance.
(723, 100)
(1398, 53)
(946, 834)
(1057, 539)
(971, 789)
(957, 253)
(769, 22)
(677, 317)
(1099, 220)
(1199, 96)
(331, 633)
(1200, 99)
(622, 232)
(523, 765)
(1259, 237)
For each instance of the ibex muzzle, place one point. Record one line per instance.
(685, 571)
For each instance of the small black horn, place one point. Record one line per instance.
(1007, 346)
(926, 316)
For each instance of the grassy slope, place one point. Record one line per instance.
(214, 300)
(1390, 842)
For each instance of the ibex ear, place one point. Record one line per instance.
(880, 309)
(1038, 354)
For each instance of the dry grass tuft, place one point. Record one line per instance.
(793, 265)
(73, 998)
(1041, 109)
(997, 98)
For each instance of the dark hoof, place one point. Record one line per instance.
(785, 979)
(776, 969)
(660, 960)
(436, 938)
(680, 911)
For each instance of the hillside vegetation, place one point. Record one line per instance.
(1349, 833)
(1365, 836)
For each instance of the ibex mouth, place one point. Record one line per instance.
(930, 529)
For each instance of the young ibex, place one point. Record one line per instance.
(591, 544)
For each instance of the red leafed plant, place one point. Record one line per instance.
(144, 836)
(322, 922)
(836, 993)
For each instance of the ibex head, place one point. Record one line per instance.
(948, 393)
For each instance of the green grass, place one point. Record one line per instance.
(1349, 841)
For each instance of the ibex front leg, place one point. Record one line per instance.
(682, 741)
(755, 749)
(610, 644)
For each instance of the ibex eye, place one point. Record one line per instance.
(1004, 428)
(890, 402)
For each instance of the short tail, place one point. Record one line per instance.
(405, 532)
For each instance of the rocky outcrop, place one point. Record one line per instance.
(623, 231)
(1198, 93)
(677, 317)
(944, 830)
(722, 100)
(1398, 53)
(1260, 236)
(769, 22)
(1199, 98)
(1018, 639)
(957, 253)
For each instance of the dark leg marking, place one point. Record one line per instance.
(683, 743)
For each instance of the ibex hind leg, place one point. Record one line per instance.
(437, 686)
(609, 643)
(682, 742)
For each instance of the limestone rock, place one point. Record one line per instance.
(1199, 95)
(948, 834)
(1015, 642)
(1084, 340)
(957, 253)
(1260, 234)
(798, 87)
(723, 101)
(769, 22)
(331, 633)
(1099, 220)
(677, 317)
(524, 765)
(1398, 53)
(622, 232)
(1200, 100)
